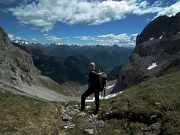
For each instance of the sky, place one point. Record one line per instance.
(82, 22)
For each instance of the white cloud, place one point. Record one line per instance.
(171, 10)
(18, 38)
(34, 39)
(11, 36)
(111, 39)
(46, 13)
(45, 35)
(53, 38)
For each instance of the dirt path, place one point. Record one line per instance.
(43, 93)
(38, 92)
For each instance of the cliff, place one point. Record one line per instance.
(16, 66)
(157, 53)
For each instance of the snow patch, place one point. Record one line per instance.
(106, 97)
(152, 66)
(108, 87)
(161, 37)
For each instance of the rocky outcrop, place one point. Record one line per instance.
(161, 26)
(16, 66)
(153, 57)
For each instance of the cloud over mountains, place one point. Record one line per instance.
(46, 13)
(111, 39)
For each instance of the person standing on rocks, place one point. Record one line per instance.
(91, 88)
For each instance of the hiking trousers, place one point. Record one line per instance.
(88, 92)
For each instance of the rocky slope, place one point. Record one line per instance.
(157, 53)
(16, 66)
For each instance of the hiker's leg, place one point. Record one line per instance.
(84, 96)
(96, 94)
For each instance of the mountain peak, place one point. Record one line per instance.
(161, 26)
(21, 41)
(154, 57)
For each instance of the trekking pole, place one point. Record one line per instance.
(104, 90)
(101, 94)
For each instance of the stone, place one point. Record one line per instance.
(99, 124)
(156, 126)
(75, 106)
(74, 112)
(147, 129)
(87, 107)
(68, 108)
(157, 104)
(66, 117)
(64, 112)
(82, 114)
(89, 131)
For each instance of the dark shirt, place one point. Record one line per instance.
(92, 78)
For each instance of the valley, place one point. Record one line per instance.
(142, 99)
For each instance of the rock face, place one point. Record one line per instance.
(157, 53)
(16, 66)
(161, 26)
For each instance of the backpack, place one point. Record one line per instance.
(101, 81)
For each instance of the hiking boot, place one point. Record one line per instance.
(95, 112)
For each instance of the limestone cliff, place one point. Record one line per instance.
(16, 66)
(157, 53)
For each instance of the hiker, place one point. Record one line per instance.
(90, 90)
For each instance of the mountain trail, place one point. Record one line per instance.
(42, 93)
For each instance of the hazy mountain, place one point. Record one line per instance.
(73, 68)
(113, 74)
(107, 56)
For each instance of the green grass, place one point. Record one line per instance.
(21, 115)
(52, 86)
(123, 114)
(137, 104)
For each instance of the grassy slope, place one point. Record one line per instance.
(123, 114)
(24, 116)
(137, 104)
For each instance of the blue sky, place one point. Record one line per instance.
(83, 22)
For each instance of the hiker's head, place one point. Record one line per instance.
(92, 66)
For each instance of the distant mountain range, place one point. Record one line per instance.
(107, 56)
(73, 68)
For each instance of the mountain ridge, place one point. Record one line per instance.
(73, 68)
(163, 52)
(107, 56)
